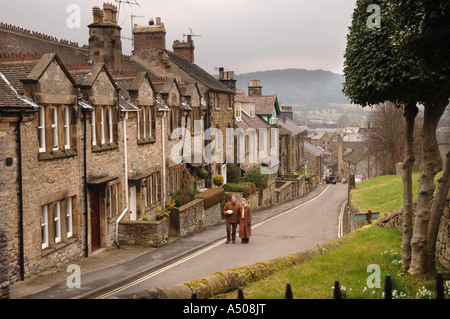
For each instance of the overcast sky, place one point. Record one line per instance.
(239, 35)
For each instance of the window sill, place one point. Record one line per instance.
(50, 250)
(48, 156)
(144, 141)
(104, 147)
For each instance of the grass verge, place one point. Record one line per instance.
(348, 263)
(383, 194)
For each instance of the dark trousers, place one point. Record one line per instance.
(231, 231)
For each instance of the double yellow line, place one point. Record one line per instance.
(202, 251)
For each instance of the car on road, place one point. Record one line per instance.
(330, 179)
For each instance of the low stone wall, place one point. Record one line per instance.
(443, 240)
(267, 195)
(213, 215)
(231, 279)
(298, 184)
(4, 273)
(395, 220)
(284, 191)
(186, 219)
(144, 233)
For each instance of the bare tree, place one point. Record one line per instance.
(387, 135)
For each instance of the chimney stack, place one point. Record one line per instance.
(105, 44)
(227, 78)
(151, 36)
(185, 48)
(254, 88)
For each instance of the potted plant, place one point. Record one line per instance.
(218, 180)
(202, 173)
(159, 213)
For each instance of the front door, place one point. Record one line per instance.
(95, 221)
(133, 213)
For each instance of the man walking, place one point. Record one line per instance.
(231, 212)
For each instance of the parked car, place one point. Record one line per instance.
(331, 179)
(359, 178)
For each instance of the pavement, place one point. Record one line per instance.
(109, 268)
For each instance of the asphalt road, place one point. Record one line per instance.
(300, 228)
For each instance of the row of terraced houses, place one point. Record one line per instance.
(86, 135)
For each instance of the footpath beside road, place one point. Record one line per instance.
(112, 267)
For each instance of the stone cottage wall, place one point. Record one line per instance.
(395, 220)
(4, 275)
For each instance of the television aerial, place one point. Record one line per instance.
(129, 2)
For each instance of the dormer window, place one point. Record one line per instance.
(238, 111)
(252, 111)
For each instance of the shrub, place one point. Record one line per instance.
(170, 203)
(254, 176)
(202, 173)
(184, 196)
(218, 180)
(233, 174)
(247, 188)
(212, 196)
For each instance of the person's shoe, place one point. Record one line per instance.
(234, 242)
(227, 241)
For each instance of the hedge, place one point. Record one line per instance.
(247, 188)
(211, 196)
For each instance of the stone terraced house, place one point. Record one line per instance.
(86, 136)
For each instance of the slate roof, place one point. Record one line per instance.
(197, 72)
(10, 98)
(263, 104)
(290, 127)
(313, 149)
(249, 122)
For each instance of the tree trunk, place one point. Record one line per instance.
(436, 214)
(410, 114)
(431, 165)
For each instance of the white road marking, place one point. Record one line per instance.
(202, 251)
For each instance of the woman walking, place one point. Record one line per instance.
(245, 222)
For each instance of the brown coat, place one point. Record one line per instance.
(245, 230)
(233, 218)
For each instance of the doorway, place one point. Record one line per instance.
(95, 221)
(133, 212)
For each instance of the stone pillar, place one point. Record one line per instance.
(4, 267)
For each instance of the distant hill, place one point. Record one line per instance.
(316, 88)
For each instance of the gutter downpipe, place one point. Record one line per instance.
(125, 150)
(163, 160)
(20, 182)
(86, 215)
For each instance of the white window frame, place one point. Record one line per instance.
(151, 189)
(102, 125)
(109, 124)
(216, 101)
(41, 130)
(109, 200)
(144, 120)
(54, 116)
(66, 112)
(69, 217)
(94, 129)
(238, 111)
(116, 198)
(149, 122)
(138, 125)
(57, 221)
(252, 111)
(44, 226)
